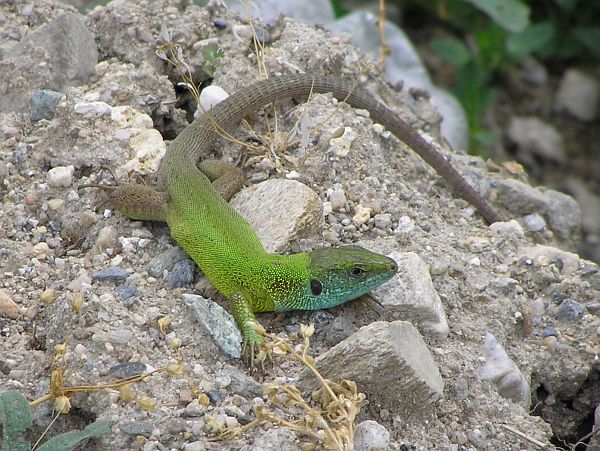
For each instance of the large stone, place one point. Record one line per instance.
(56, 55)
(411, 296)
(280, 211)
(390, 363)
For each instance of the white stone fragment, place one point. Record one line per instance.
(91, 109)
(60, 176)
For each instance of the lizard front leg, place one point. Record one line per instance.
(248, 325)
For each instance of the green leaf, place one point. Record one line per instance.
(490, 44)
(534, 38)
(15, 417)
(589, 37)
(512, 15)
(69, 440)
(452, 50)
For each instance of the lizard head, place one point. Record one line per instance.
(344, 273)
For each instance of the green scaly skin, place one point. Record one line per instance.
(224, 245)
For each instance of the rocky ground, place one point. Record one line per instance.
(487, 339)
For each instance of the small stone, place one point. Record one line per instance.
(371, 436)
(570, 311)
(41, 250)
(550, 342)
(195, 409)
(107, 237)
(361, 215)
(405, 226)
(210, 96)
(534, 135)
(49, 295)
(240, 383)
(383, 221)
(338, 199)
(182, 274)
(135, 428)
(92, 109)
(111, 274)
(217, 322)
(165, 261)
(8, 307)
(338, 330)
(520, 198)
(578, 95)
(43, 104)
(320, 319)
(507, 229)
(220, 24)
(60, 176)
(550, 331)
(128, 369)
(125, 291)
(534, 222)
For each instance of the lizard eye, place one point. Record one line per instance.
(316, 287)
(357, 272)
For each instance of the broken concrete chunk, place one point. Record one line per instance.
(391, 364)
(410, 295)
(278, 223)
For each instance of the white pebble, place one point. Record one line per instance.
(210, 96)
(90, 109)
(60, 176)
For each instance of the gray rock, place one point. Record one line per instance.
(43, 104)
(371, 436)
(182, 274)
(570, 311)
(411, 295)
(68, 51)
(195, 409)
(128, 369)
(502, 371)
(337, 330)
(520, 198)
(564, 215)
(578, 95)
(313, 12)
(165, 261)
(391, 364)
(135, 428)
(531, 134)
(550, 331)
(125, 291)
(217, 322)
(534, 222)
(280, 211)
(111, 274)
(241, 384)
(589, 202)
(404, 65)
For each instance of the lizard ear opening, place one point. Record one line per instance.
(316, 287)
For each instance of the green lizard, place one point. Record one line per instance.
(224, 245)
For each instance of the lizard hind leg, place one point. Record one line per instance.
(136, 201)
(226, 179)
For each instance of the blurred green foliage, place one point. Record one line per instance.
(492, 34)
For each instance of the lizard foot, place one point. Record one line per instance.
(255, 349)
